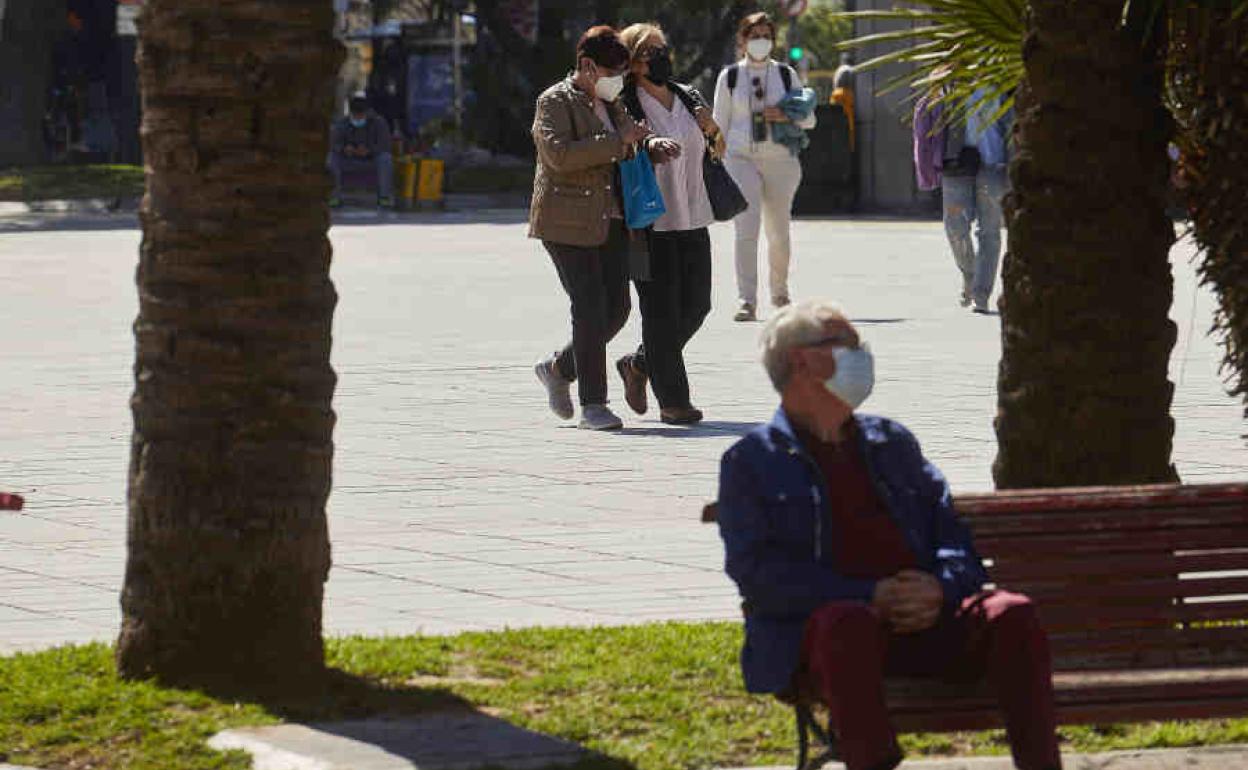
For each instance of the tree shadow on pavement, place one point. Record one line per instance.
(427, 726)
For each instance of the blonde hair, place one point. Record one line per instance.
(795, 326)
(635, 35)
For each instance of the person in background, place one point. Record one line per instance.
(581, 131)
(674, 288)
(852, 563)
(843, 93)
(747, 95)
(361, 138)
(968, 162)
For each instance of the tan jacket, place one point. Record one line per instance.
(574, 186)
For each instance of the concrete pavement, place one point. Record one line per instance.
(460, 502)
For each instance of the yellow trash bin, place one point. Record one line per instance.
(405, 173)
(430, 188)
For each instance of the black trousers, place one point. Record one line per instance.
(596, 280)
(674, 302)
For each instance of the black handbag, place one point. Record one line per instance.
(726, 198)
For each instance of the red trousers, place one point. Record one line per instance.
(848, 650)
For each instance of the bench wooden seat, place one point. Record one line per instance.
(1143, 591)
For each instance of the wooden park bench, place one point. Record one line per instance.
(1144, 594)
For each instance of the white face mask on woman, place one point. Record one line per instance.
(855, 375)
(608, 87)
(759, 48)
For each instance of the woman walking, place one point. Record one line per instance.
(581, 131)
(674, 288)
(768, 172)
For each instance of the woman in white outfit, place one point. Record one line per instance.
(767, 172)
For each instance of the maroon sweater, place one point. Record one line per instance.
(866, 542)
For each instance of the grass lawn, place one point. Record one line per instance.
(656, 697)
(68, 182)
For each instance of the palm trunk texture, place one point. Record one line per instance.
(1083, 394)
(231, 456)
(1211, 80)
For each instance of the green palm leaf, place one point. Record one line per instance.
(952, 48)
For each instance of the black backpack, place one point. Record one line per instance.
(786, 76)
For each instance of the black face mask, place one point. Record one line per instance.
(660, 64)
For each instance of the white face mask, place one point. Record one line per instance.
(759, 48)
(855, 375)
(609, 87)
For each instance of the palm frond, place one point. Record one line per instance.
(952, 49)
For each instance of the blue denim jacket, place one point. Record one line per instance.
(778, 535)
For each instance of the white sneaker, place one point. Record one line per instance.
(599, 417)
(558, 390)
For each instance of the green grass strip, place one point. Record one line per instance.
(40, 183)
(654, 697)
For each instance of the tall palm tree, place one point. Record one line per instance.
(231, 453)
(1083, 394)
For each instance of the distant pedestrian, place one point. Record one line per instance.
(747, 98)
(968, 162)
(674, 281)
(581, 131)
(358, 140)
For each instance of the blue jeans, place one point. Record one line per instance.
(975, 199)
(382, 163)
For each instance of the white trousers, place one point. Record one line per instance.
(769, 183)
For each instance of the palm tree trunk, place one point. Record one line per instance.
(1083, 393)
(232, 447)
(1211, 85)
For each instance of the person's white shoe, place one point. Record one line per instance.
(558, 390)
(599, 417)
(745, 312)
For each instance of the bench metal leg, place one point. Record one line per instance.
(807, 724)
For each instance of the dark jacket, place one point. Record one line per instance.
(778, 535)
(373, 134)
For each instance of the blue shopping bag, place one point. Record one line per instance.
(643, 201)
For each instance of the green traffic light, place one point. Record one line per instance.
(796, 53)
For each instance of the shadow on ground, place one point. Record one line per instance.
(351, 721)
(704, 429)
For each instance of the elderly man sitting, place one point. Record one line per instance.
(852, 563)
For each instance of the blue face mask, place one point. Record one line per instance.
(359, 122)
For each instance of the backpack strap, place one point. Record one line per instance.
(786, 76)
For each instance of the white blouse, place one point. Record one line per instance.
(680, 180)
(733, 109)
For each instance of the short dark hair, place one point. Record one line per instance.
(754, 20)
(602, 46)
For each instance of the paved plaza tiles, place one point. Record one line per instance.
(459, 501)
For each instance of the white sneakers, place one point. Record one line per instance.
(558, 390)
(559, 397)
(599, 417)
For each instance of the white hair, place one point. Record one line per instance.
(795, 326)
